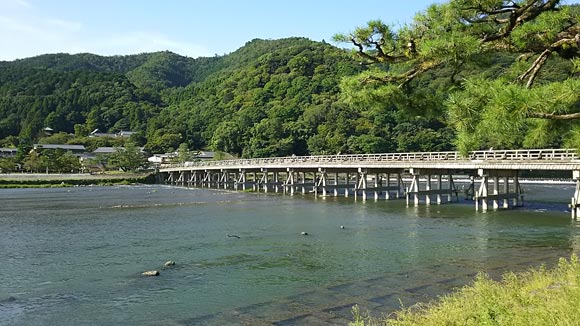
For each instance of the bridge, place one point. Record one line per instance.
(421, 177)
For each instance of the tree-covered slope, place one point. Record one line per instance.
(174, 99)
(267, 106)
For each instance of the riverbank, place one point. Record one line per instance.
(41, 180)
(536, 297)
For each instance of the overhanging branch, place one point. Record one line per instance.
(552, 116)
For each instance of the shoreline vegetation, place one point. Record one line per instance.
(539, 296)
(42, 180)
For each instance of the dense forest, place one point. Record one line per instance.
(437, 84)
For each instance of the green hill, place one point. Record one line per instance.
(270, 97)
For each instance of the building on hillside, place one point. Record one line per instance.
(124, 134)
(168, 158)
(105, 150)
(75, 149)
(205, 155)
(8, 152)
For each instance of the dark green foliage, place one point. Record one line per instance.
(269, 98)
(128, 158)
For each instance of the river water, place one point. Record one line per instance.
(74, 256)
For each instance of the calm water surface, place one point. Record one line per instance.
(74, 256)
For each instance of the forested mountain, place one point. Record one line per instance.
(270, 97)
(462, 75)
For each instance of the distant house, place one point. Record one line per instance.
(48, 131)
(162, 158)
(75, 149)
(105, 150)
(205, 155)
(170, 157)
(8, 152)
(124, 134)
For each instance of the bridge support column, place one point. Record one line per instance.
(415, 187)
(361, 183)
(289, 183)
(428, 190)
(575, 201)
(388, 180)
(485, 193)
(506, 190)
(241, 180)
(255, 181)
(181, 179)
(191, 180)
(482, 193)
(206, 179)
(322, 181)
(378, 183)
(276, 177)
(264, 180)
(400, 185)
(170, 177)
(440, 187)
(347, 184)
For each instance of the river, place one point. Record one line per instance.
(74, 256)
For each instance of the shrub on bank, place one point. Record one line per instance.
(536, 297)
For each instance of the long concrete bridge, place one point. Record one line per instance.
(422, 177)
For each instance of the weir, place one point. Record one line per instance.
(422, 178)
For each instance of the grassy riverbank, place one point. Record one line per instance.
(70, 180)
(537, 297)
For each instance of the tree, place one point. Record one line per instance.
(7, 165)
(517, 103)
(68, 162)
(128, 158)
(184, 154)
(32, 162)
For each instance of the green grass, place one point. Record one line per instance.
(54, 181)
(536, 297)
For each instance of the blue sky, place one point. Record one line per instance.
(188, 27)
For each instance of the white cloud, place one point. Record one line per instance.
(15, 4)
(26, 32)
(139, 42)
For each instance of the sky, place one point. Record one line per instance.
(188, 27)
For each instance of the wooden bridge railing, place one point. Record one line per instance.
(558, 155)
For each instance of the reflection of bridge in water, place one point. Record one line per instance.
(377, 176)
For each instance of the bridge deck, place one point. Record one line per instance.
(536, 159)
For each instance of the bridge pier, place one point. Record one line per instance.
(288, 185)
(415, 188)
(575, 202)
(484, 194)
